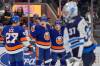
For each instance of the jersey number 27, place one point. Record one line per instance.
(11, 37)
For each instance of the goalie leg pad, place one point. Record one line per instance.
(88, 59)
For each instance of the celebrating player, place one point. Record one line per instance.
(15, 40)
(57, 48)
(42, 36)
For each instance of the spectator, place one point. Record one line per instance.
(6, 16)
(19, 12)
(1, 4)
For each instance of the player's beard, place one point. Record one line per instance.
(43, 24)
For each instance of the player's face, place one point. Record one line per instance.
(57, 27)
(43, 23)
(37, 21)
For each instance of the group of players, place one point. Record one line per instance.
(71, 42)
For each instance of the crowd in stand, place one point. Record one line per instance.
(84, 7)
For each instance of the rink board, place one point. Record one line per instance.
(29, 60)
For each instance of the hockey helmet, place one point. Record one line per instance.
(58, 22)
(70, 10)
(58, 25)
(35, 16)
(44, 18)
(15, 19)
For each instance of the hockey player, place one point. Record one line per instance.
(34, 21)
(42, 36)
(75, 27)
(57, 48)
(15, 40)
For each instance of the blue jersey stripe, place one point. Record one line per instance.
(76, 45)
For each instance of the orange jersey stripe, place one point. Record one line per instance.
(14, 48)
(23, 39)
(37, 53)
(57, 47)
(43, 43)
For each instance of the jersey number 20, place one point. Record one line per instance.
(11, 37)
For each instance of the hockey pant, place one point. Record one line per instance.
(88, 58)
(42, 55)
(16, 59)
(62, 56)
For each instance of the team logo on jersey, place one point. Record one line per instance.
(47, 36)
(59, 40)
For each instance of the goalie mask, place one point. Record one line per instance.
(70, 10)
